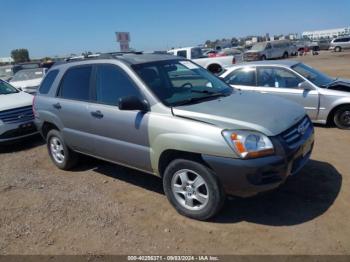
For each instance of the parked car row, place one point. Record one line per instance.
(214, 64)
(26, 76)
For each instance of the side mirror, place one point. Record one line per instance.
(133, 103)
(19, 88)
(305, 86)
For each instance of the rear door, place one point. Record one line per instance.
(71, 106)
(119, 136)
(284, 83)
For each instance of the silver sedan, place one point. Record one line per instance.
(326, 99)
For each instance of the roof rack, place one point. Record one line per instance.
(111, 55)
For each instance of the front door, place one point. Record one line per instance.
(119, 136)
(284, 83)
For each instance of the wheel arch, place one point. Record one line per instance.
(169, 155)
(47, 127)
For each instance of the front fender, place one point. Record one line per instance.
(185, 135)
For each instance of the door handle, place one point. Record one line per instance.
(57, 106)
(263, 92)
(97, 114)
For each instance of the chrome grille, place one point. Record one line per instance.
(17, 115)
(293, 135)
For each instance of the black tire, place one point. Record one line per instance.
(214, 191)
(263, 57)
(337, 49)
(285, 55)
(342, 117)
(70, 158)
(215, 69)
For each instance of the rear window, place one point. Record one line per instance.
(47, 82)
(76, 84)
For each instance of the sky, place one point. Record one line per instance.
(61, 27)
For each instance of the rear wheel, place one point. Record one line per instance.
(285, 55)
(263, 57)
(193, 189)
(63, 157)
(337, 49)
(342, 117)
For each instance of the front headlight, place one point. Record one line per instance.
(248, 144)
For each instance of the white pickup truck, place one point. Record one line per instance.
(213, 64)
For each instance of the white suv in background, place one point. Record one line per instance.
(340, 43)
(16, 114)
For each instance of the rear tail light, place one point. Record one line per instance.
(234, 60)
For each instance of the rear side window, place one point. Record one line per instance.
(47, 82)
(182, 53)
(76, 83)
(113, 83)
(244, 77)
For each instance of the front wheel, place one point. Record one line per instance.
(193, 189)
(342, 117)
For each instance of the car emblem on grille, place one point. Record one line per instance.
(21, 116)
(302, 128)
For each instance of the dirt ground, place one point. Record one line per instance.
(100, 208)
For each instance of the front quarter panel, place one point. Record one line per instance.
(330, 99)
(168, 132)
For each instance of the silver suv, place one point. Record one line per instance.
(167, 116)
(340, 43)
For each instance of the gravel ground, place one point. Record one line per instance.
(100, 208)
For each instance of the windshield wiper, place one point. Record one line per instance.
(196, 99)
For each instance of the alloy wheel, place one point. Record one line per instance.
(190, 189)
(57, 150)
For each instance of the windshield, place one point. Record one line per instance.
(5, 72)
(259, 47)
(316, 77)
(28, 74)
(180, 82)
(6, 88)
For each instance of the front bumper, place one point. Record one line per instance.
(248, 177)
(15, 131)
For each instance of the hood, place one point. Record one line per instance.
(252, 52)
(340, 85)
(15, 100)
(27, 83)
(268, 114)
